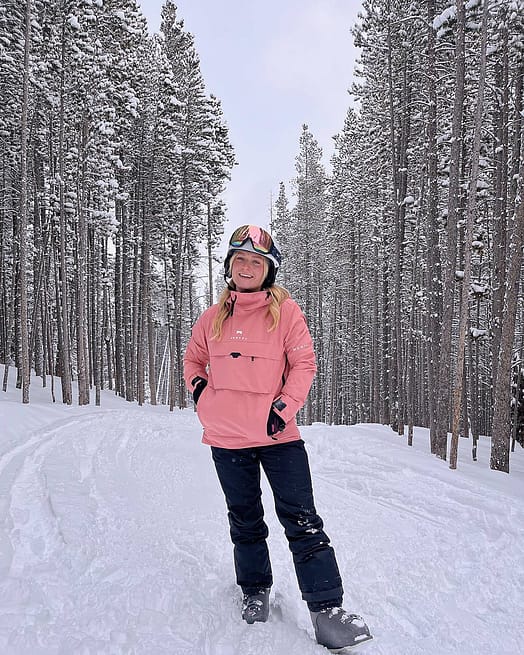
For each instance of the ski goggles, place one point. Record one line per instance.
(261, 240)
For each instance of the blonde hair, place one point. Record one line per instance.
(278, 295)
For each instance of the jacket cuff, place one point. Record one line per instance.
(284, 408)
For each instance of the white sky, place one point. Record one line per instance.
(274, 65)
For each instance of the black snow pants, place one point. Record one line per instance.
(287, 469)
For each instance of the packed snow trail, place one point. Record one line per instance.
(114, 540)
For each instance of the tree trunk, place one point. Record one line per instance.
(458, 386)
(500, 438)
(434, 275)
(209, 246)
(65, 347)
(119, 312)
(441, 436)
(24, 333)
(81, 278)
(500, 192)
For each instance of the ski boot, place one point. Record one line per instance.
(255, 607)
(336, 629)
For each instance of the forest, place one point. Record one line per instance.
(406, 256)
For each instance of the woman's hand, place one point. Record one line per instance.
(199, 384)
(275, 423)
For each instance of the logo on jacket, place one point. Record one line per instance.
(238, 335)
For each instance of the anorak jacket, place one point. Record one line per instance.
(248, 369)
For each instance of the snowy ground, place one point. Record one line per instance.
(113, 540)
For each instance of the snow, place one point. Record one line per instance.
(447, 15)
(476, 333)
(73, 21)
(114, 539)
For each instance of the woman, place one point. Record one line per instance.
(249, 365)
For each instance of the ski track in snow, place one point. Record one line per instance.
(114, 541)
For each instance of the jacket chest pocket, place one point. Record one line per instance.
(253, 368)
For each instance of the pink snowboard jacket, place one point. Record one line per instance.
(249, 368)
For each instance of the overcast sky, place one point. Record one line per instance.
(275, 66)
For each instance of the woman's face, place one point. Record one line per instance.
(248, 271)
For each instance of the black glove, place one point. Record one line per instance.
(199, 384)
(274, 423)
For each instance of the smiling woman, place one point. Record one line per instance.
(249, 365)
